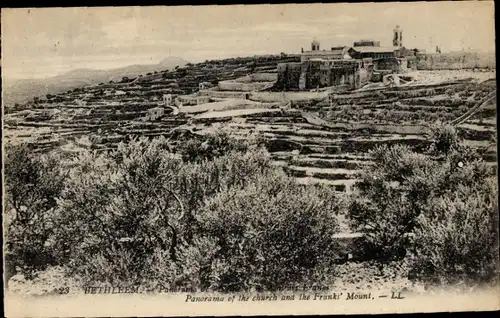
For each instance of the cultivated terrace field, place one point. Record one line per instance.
(410, 137)
(317, 141)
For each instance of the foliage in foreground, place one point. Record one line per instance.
(227, 220)
(141, 215)
(32, 184)
(438, 211)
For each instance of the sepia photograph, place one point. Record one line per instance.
(249, 159)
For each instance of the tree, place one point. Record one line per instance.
(119, 209)
(33, 184)
(425, 208)
(269, 235)
(227, 221)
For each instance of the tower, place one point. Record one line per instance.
(397, 40)
(315, 45)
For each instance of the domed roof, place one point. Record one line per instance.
(397, 27)
(314, 41)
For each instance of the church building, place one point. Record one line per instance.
(349, 66)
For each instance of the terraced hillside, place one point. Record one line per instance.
(113, 108)
(329, 142)
(324, 139)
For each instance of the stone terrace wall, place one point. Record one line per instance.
(243, 87)
(263, 77)
(221, 94)
(271, 97)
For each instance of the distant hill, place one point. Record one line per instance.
(21, 91)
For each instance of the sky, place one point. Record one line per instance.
(44, 42)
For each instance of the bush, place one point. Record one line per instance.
(118, 210)
(142, 215)
(214, 145)
(428, 207)
(389, 198)
(33, 183)
(270, 234)
(445, 139)
(456, 240)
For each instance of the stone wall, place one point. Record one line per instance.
(333, 73)
(270, 97)
(263, 77)
(391, 64)
(242, 86)
(248, 83)
(455, 61)
(221, 94)
(288, 76)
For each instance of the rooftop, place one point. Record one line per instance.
(375, 49)
(340, 50)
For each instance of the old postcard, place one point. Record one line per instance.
(250, 159)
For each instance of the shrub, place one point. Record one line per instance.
(120, 209)
(389, 198)
(428, 207)
(270, 234)
(214, 145)
(456, 240)
(463, 109)
(445, 139)
(141, 215)
(33, 183)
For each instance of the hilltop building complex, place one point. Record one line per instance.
(346, 66)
